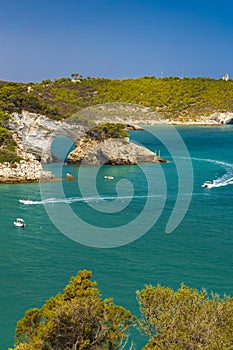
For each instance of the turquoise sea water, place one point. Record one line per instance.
(37, 262)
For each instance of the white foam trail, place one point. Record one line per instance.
(225, 164)
(224, 180)
(220, 182)
(84, 199)
(71, 200)
(227, 178)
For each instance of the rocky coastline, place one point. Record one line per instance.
(215, 119)
(34, 134)
(28, 169)
(24, 172)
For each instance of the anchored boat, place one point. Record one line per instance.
(19, 222)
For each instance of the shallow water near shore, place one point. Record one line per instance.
(36, 262)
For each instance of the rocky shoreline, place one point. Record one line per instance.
(29, 170)
(215, 119)
(34, 134)
(23, 173)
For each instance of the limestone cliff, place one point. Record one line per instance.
(110, 151)
(35, 133)
(222, 118)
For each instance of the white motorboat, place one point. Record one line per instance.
(19, 222)
(25, 201)
(109, 177)
(207, 184)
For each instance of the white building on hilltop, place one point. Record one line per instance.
(226, 77)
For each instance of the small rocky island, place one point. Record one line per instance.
(109, 144)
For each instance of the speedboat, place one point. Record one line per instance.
(108, 177)
(19, 222)
(25, 201)
(207, 184)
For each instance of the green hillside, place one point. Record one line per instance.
(171, 97)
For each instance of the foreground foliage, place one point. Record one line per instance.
(76, 319)
(185, 319)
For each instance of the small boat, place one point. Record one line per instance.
(19, 222)
(69, 177)
(207, 184)
(108, 177)
(25, 201)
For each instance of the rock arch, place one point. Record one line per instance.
(35, 133)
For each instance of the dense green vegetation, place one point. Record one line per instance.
(185, 319)
(172, 97)
(75, 319)
(105, 131)
(7, 143)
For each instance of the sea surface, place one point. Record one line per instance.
(118, 228)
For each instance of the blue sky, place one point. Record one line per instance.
(115, 39)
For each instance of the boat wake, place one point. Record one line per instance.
(220, 182)
(96, 199)
(224, 180)
(81, 199)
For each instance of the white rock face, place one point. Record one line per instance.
(222, 118)
(29, 169)
(111, 151)
(35, 133)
